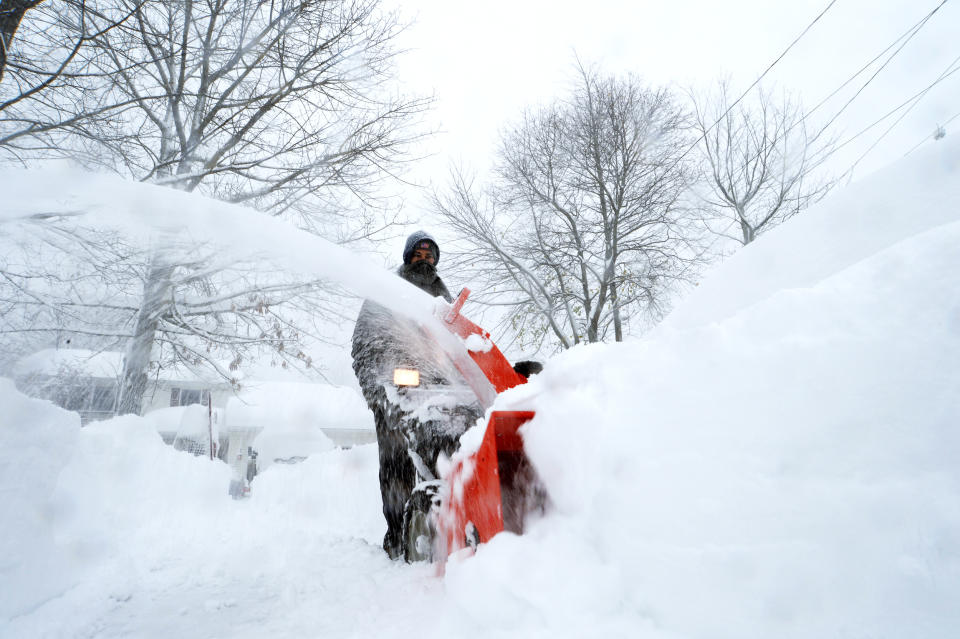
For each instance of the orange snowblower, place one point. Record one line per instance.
(493, 489)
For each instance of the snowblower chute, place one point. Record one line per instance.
(496, 487)
(487, 356)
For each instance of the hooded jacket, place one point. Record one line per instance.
(383, 341)
(416, 238)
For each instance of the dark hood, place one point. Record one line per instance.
(414, 239)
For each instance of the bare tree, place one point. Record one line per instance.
(82, 287)
(55, 289)
(583, 229)
(761, 162)
(282, 106)
(261, 103)
(42, 71)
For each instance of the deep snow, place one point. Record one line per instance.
(777, 459)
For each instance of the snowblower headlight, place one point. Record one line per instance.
(406, 377)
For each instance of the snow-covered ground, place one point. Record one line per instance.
(778, 459)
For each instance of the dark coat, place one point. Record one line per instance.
(383, 341)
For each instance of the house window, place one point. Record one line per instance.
(102, 399)
(74, 397)
(188, 396)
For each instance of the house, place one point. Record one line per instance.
(88, 381)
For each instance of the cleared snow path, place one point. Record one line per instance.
(322, 587)
(150, 546)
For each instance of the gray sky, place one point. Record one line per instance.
(486, 61)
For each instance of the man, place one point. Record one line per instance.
(382, 342)
(420, 257)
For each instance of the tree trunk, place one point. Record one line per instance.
(11, 13)
(137, 360)
(617, 322)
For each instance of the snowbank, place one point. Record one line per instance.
(36, 440)
(854, 223)
(783, 468)
(334, 493)
(100, 511)
(122, 478)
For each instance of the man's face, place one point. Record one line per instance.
(422, 255)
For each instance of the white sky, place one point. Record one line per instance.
(486, 61)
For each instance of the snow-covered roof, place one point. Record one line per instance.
(296, 419)
(293, 405)
(96, 364)
(51, 361)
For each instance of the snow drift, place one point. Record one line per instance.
(36, 441)
(778, 459)
(790, 471)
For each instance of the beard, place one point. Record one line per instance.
(422, 273)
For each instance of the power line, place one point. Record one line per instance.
(756, 82)
(950, 70)
(926, 137)
(905, 37)
(912, 32)
(785, 51)
(914, 98)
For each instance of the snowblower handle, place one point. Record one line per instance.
(457, 305)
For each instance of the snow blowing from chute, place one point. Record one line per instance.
(778, 458)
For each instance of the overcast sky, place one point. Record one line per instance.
(485, 61)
